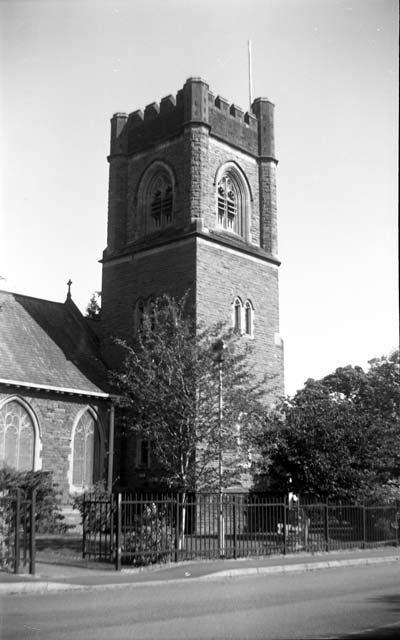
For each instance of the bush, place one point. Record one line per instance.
(49, 518)
(95, 507)
(151, 538)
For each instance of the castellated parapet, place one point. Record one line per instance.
(195, 104)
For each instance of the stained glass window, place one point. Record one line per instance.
(86, 452)
(17, 437)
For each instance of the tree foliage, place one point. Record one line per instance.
(93, 308)
(169, 387)
(339, 437)
(49, 517)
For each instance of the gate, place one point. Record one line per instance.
(17, 532)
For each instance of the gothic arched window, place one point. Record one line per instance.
(160, 201)
(248, 318)
(237, 315)
(17, 437)
(233, 200)
(154, 203)
(86, 452)
(227, 204)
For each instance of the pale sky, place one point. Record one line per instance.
(330, 67)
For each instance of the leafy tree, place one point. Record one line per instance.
(93, 308)
(170, 390)
(49, 517)
(338, 437)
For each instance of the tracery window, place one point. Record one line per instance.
(86, 452)
(233, 200)
(17, 437)
(227, 204)
(161, 200)
(154, 204)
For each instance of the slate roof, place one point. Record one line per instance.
(49, 345)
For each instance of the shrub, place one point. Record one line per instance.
(150, 539)
(95, 507)
(49, 518)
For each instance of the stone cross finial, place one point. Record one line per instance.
(69, 289)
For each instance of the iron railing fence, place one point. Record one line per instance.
(98, 528)
(149, 528)
(17, 531)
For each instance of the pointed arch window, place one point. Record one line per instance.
(161, 201)
(155, 201)
(17, 437)
(243, 317)
(233, 200)
(237, 315)
(86, 452)
(248, 318)
(227, 204)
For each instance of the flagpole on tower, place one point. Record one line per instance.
(250, 80)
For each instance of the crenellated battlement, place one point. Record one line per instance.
(195, 105)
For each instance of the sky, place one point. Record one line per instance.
(331, 69)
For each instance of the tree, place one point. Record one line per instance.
(169, 387)
(93, 308)
(338, 437)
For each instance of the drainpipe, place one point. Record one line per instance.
(110, 449)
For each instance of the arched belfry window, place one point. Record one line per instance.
(155, 199)
(17, 437)
(227, 204)
(86, 452)
(161, 201)
(233, 200)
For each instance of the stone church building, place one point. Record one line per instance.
(192, 210)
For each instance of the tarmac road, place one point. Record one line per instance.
(350, 602)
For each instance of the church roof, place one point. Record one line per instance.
(49, 345)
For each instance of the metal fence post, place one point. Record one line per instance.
(326, 526)
(32, 537)
(118, 536)
(234, 527)
(284, 527)
(16, 532)
(84, 517)
(112, 537)
(176, 558)
(364, 529)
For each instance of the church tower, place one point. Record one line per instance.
(192, 208)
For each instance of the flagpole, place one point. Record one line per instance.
(250, 81)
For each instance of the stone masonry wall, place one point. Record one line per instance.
(221, 276)
(147, 274)
(56, 418)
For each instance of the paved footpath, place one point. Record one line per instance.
(62, 577)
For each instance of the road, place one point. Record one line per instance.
(331, 603)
